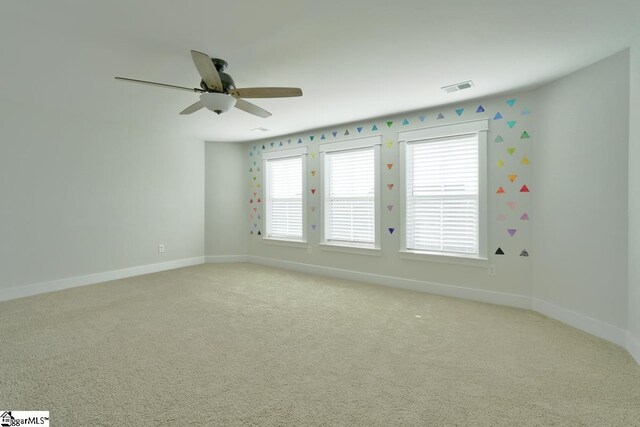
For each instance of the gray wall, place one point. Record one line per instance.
(580, 203)
(81, 195)
(224, 199)
(513, 272)
(634, 194)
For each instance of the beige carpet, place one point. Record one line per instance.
(240, 344)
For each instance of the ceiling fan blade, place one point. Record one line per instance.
(192, 108)
(266, 92)
(251, 108)
(145, 82)
(207, 70)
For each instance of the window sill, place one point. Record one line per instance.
(444, 258)
(358, 250)
(284, 242)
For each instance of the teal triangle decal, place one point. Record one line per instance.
(511, 124)
(374, 127)
(440, 116)
(405, 122)
(459, 111)
(511, 102)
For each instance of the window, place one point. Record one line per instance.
(284, 194)
(444, 194)
(350, 196)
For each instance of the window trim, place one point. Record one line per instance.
(278, 155)
(481, 128)
(350, 145)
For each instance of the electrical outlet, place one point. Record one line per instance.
(161, 248)
(491, 270)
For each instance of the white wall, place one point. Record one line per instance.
(225, 199)
(513, 272)
(580, 203)
(634, 198)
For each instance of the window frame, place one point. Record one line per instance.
(479, 127)
(279, 155)
(373, 142)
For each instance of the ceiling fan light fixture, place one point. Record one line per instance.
(217, 102)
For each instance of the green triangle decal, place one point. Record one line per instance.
(524, 135)
(499, 139)
(374, 128)
(511, 150)
(311, 137)
(390, 124)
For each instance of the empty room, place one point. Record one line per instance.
(295, 213)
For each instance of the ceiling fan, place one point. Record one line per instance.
(218, 91)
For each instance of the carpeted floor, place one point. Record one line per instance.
(240, 344)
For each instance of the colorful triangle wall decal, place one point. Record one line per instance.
(500, 163)
(525, 160)
(511, 102)
(525, 112)
(500, 190)
(501, 217)
(499, 251)
(512, 205)
(374, 127)
(480, 109)
(405, 122)
(313, 155)
(346, 132)
(524, 217)
(512, 178)
(390, 123)
(391, 230)
(511, 123)
(311, 137)
(459, 111)
(299, 141)
(313, 173)
(524, 253)
(422, 118)
(259, 233)
(359, 128)
(499, 138)
(525, 135)
(390, 207)
(511, 231)
(280, 144)
(511, 150)
(271, 144)
(323, 137)
(440, 116)
(524, 189)
(313, 191)
(389, 166)
(313, 227)
(390, 186)
(334, 133)
(498, 116)
(389, 144)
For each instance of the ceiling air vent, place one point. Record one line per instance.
(458, 86)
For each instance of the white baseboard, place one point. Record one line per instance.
(633, 346)
(90, 279)
(213, 259)
(396, 282)
(588, 324)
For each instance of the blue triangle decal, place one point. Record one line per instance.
(374, 128)
(263, 147)
(280, 143)
(334, 133)
(359, 129)
(323, 137)
(480, 109)
(346, 132)
(511, 102)
(299, 141)
(440, 116)
(498, 116)
(422, 118)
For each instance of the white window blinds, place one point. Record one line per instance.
(350, 197)
(442, 209)
(284, 198)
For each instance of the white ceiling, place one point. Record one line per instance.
(353, 59)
